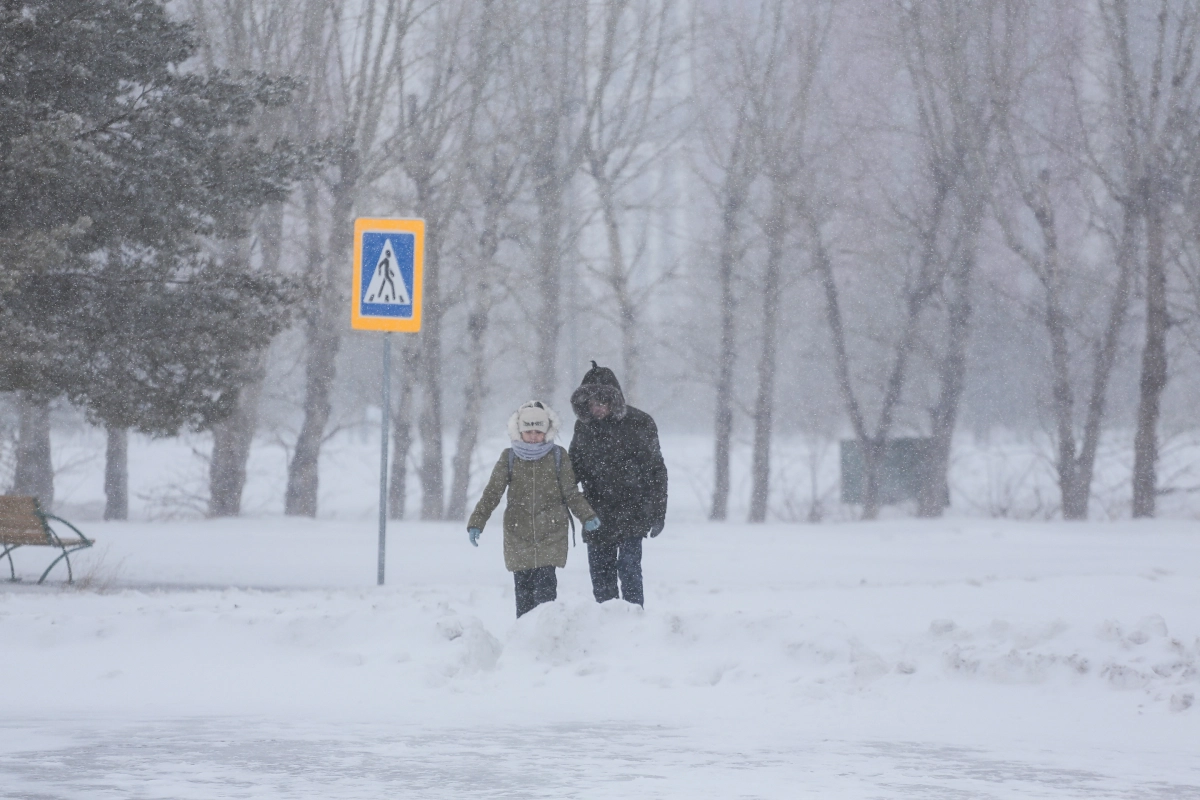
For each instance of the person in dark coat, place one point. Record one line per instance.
(618, 460)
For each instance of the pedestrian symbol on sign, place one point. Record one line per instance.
(385, 286)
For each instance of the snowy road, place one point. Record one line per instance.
(256, 759)
(254, 659)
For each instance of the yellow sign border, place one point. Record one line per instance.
(380, 225)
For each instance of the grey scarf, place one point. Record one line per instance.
(531, 452)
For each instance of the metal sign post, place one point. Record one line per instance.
(389, 256)
(386, 407)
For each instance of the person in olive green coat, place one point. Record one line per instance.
(542, 492)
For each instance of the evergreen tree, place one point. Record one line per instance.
(119, 169)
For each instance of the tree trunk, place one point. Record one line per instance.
(548, 269)
(723, 424)
(402, 438)
(875, 447)
(1062, 396)
(303, 484)
(627, 311)
(764, 406)
(1106, 358)
(1048, 268)
(323, 339)
(1074, 495)
(468, 432)
(432, 457)
(932, 499)
(933, 496)
(1154, 368)
(271, 235)
(618, 281)
(476, 388)
(232, 439)
(872, 448)
(873, 451)
(737, 184)
(301, 493)
(34, 471)
(116, 474)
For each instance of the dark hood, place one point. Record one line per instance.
(601, 385)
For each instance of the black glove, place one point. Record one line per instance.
(656, 530)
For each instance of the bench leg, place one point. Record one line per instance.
(12, 572)
(66, 555)
(70, 577)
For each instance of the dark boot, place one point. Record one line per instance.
(602, 564)
(534, 587)
(629, 570)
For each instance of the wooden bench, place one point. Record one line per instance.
(24, 524)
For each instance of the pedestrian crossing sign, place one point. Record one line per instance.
(388, 257)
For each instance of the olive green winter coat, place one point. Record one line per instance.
(535, 521)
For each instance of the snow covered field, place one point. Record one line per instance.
(256, 659)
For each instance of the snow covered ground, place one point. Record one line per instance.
(255, 658)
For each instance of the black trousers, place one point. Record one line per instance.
(616, 559)
(534, 587)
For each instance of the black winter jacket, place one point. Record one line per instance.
(618, 460)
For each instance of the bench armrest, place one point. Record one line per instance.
(78, 532)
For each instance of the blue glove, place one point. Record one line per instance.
(591, 524)
(656, 530)
(474, 534)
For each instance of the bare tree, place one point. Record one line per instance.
(354, 60)
(917, 292)
(1154, 100)
(244, 35)
(549, 96)
(631, 128)
(1076, 453)
(960, 61)
(724, 65)
(920, 275)
(783, 107)
(497, 167)
(439, 110)
(956, 59)
(1042, 149)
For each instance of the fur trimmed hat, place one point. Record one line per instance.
(534, 416)
(599, 385)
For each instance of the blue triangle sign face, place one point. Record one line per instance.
(387, 286)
